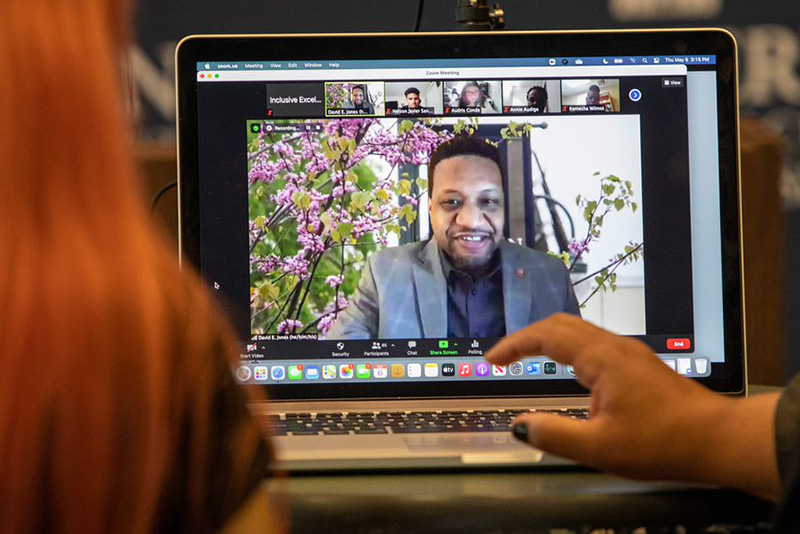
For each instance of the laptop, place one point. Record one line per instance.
(586, 172)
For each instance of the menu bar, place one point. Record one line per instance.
(691, 60)
(588, 71)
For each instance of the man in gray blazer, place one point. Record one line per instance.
(358, 100)
(467, 281)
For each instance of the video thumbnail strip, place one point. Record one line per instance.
(448, 98)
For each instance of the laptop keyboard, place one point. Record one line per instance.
(400, 422)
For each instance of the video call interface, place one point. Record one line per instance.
(361, 266)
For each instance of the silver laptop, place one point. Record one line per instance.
(374, 211)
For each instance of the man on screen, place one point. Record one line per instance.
(413, 100)
(358, 100)
(537, 98)
(593, 96)
(467, 281)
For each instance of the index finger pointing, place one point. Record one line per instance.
(560, 337)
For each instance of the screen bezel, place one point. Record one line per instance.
(727, 377)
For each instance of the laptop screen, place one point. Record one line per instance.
(375, 225)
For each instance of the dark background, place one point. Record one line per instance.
(768, 34)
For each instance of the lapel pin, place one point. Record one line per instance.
(519, 273)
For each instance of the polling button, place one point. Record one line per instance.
(679, 344)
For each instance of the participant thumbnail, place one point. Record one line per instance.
(350, 239)
(473, 97)
(591, 95)
(354, 99)
(295, 100)
(531, 96)
(413, 98)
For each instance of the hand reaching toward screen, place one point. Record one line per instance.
(646, 420)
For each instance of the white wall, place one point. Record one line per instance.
(571, 149)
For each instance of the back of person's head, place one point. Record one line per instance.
(104, 358)
(462, 145)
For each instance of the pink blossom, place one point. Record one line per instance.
(289, 326)
(297, 265)
(577, 248)
(267, 265)
(325, 323)
(334, 280)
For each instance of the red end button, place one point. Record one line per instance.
(679, 344)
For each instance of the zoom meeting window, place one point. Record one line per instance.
(342, 258)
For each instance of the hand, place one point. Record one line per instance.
(646, 421)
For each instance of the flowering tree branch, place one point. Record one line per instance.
(615, 195)
(316, 203)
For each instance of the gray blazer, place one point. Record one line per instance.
(403, 293)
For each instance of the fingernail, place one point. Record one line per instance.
(520, 431)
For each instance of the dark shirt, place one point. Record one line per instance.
(474, 304)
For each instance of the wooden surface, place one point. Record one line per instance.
(763, 217)
(505, 502)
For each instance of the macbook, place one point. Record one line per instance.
(375, 211)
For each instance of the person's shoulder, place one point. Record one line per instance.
(392, 262)
(398, 253)
(530, 256)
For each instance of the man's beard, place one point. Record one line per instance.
(473, 263)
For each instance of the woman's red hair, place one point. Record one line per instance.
(105, 348)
